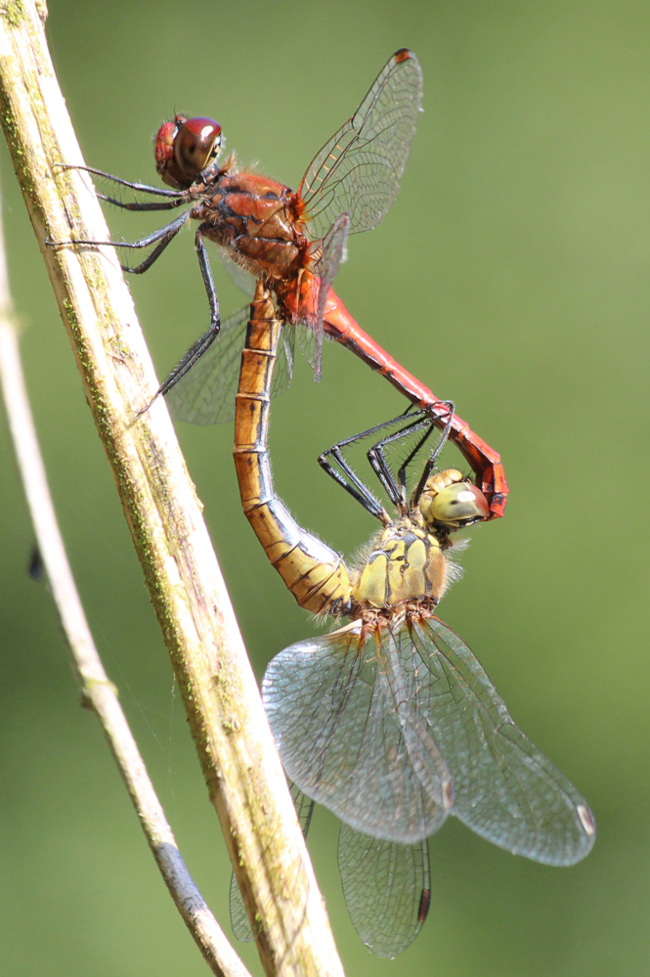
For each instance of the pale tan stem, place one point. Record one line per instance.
(238, 757)
(99, 694)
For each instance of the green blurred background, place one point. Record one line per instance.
(512, 275)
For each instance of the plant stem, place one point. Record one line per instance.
(227, 721)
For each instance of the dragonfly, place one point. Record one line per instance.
(390, 721)
(294, 241)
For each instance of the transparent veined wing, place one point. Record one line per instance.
(241, 927)
(358, 170)
(328, 255)
(370, 732)
(206, 394)
(346, 738)
(387, 889)
(240, 277)
(504, 788)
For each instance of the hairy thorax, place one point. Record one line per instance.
(406, 570)
(258, 221)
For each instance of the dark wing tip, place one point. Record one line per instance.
(424, 905)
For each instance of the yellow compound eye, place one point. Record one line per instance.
(457, 505)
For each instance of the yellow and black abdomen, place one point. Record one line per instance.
(316, 575)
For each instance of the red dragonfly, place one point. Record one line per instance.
(294, 241)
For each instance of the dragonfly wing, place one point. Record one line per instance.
(387, 889)
(304, 808)
(504, 788)
(206, 394)
(358, 170)
(342, 739)
(310, 343)
(240, 276)
(283, 372)
(328, 255)
(239, 921)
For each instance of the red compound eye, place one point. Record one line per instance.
(184, 148)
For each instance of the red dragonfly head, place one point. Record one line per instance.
(185, 148)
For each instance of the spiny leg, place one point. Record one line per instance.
(164, 235)
(208, 280)
(355, 487)
(135, 205)
(196, 351)
(138, 187)
(377, 458)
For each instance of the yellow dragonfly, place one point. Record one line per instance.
(390, 721)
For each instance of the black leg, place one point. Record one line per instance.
(353, 485)
(196, 351)
(170, 233)
(396, 488)
(200, 347)
(377, 458)
(428, 468)
(193, 355)
(140, 187)
(208, 280)
(166, 233)
(357, 489)
(134, 205)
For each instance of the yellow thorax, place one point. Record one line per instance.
(407, 561)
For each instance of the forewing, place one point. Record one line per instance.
(504, 788)
(206, 394)
(359, 169)
(387, 889)
(344, 741)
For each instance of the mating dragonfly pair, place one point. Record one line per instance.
(390, 722)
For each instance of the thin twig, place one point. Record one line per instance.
(98, 692)
(238, 757)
